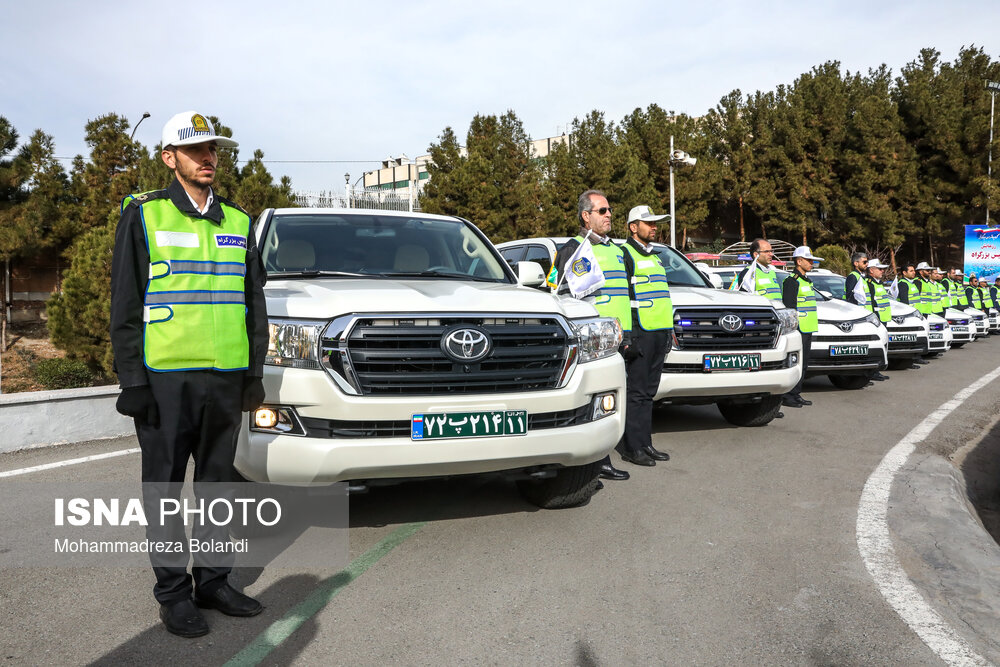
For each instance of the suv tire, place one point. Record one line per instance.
(570, 487)
(751, 414)
(849, 381)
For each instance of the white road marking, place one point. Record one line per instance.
(876, 549)
(68, 462)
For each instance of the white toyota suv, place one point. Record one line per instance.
(403, 346)
(739, 351)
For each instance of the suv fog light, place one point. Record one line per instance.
(265, 418)
(793, 359)
(276, 420)
(603, 405)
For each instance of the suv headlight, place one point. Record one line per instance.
(293, 344)
(872, 319)
(598, 338)
(788, 319)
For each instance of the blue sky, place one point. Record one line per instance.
(362, 81)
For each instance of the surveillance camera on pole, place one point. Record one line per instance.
(682, 158)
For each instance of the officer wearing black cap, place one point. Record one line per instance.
(189, 333)
(652, 322)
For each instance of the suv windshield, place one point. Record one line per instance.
(680, 270)
(336, 244)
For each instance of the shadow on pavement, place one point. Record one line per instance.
(981, 469)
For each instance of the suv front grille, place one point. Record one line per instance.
(393, 356)
(703, 330)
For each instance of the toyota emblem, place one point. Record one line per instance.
(730, 322)
(846, 326)
(898, 320)
(466, 344)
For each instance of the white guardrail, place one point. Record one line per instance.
(42, 418)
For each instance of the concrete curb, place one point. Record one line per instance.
(42, 418)
(945, 549)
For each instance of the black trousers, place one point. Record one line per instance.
(642, 378)
(200, 413)
(806, 347)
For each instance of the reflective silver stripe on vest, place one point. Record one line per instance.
(194, 297)
(200, 268)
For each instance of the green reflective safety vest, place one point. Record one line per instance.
(863, 280)
(949, 293)
(960, 298)
(194, 309)
(987, 297)
(805, 303)
(924, 303)
(934, 296)
(766, 283)
(652, 293)
(911, 292)
(977, 299)
(882, 307)
(613, 300)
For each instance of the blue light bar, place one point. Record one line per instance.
(685, 323)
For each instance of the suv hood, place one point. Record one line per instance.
(836, 310)
(708, 296)
(326, 298)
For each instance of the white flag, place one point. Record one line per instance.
(894, 288)
(860, 293)
(749, 283)
(583, 274)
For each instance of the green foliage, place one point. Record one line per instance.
(835, 259)
(79, 316)
(63, 373)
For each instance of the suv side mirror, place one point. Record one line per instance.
(530, 274)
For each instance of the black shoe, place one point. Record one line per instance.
(804, 401)
(655, 454)
(608, 471)
(922, 362)
(600, 485)
(878, 377)
(791, 401)
(183, 619)
(230, 602)
(780, 415)
(639, 458)
(914, 367)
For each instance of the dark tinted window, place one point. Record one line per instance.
(539, 254)
(513, 255)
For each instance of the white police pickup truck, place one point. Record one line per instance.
(403, 346)
(738, 351)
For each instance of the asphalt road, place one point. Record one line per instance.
(740, 550)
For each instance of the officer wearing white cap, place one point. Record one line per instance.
(861, 292)
(189, 333)
(797, 292)
(876, 269)
(652, 323)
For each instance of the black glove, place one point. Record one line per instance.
(629, 350)
(253, 393)
(139, 403)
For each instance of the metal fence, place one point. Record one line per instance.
(373, 198)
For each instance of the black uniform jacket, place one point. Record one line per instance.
(130, 271)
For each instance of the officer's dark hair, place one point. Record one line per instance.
(908, 265)
(755, 246)
(858, 256)
(585, 204)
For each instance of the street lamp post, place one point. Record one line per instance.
(677, 158)
(993, 87)
(347, 188)
(145, 115)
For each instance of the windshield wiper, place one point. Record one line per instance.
(439, 274)
(315, 273)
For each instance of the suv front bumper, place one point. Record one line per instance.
(684, 375)
(302, 459)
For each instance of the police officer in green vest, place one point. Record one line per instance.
(995, 293)
(652, 322)
(876, 270)
(956, 286)
(612, 300)
(763, 280)
(189, 334)
(860, 291)
(798, 292)
(973, 294)
(939, 291)
(928, 296)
